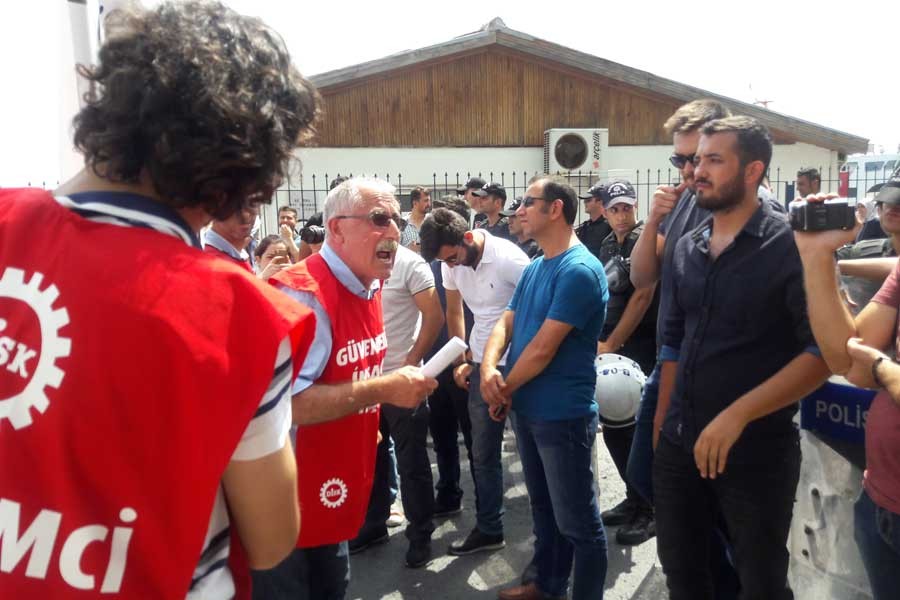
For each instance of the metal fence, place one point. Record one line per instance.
(307, 193)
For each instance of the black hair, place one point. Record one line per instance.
(442, 227)
(754, 142)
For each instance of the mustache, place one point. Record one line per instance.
(387, 246)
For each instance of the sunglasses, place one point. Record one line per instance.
(529, 200)
(378, 219)
(679, 160)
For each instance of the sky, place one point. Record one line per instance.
(825, 62)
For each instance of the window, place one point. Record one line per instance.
(874, 167)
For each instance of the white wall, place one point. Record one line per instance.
(442, 168)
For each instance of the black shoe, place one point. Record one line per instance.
(419, 554)
(362, 542)
(442, 510)
(641, 529)
(476, 542)
(624, 512)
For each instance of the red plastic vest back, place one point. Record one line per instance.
(336, 460)
(130, 366)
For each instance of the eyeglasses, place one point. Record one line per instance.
(452, 260)
(378, 219)
(529, 200)
(679, 160)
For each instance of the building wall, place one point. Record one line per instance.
(491, 98)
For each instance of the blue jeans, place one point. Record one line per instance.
(487, 439)
(639, 472)
(556, 463)
(320, 573)
(877, 533)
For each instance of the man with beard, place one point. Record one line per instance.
(744, 355)
(337, 392)
(420, 201)
(482, 271)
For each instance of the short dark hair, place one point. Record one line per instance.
(554, 187)
(336, 182)
(265, 243)
(754, 142)
(417, 192)
(693, 115)
(455, 203)
(810, 173)
(442, 227)
(201, 98)
(290, 209)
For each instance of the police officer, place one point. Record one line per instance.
(629, 330)
(594, 230)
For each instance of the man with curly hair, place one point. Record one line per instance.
(152, 381)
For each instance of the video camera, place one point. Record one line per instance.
(838, 213)
(313, 234)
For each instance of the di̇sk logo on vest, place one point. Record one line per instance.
(30, 345)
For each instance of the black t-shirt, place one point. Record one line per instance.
(592, 234)
(498, 229)
(616, 259)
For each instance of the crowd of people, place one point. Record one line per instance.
(194, 412)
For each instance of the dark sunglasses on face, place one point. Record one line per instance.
(378, 219)
(529, 200)
(679, 160)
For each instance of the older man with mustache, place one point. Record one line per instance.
(337, 393)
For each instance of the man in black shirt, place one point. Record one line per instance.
(491, 198)
(629, 330)
(528, 245)
(594, 230)
(744, 356)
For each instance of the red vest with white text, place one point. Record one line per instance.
(130, 366)
(336, 460)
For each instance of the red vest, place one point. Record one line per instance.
(132, 366)
(245, 264)
(336, 460)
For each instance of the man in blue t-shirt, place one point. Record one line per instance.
(552, 326)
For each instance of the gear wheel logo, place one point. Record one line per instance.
(333, 493)
(30, 345)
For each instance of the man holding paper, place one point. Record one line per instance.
(481, 270)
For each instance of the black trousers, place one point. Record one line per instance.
(409, 430)
(449, 405)
(756, 501)
(618, 442)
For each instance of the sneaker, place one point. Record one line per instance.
(395, 519)
(362, 542)
(641, 529)
(442, 510)
(624, 512)
(476, 542)
(419, 554)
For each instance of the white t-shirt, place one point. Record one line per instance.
(488, 288)
(402, 319)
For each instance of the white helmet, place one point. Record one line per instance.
(620, 382)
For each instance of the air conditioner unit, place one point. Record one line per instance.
(574, 150)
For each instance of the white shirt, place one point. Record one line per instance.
(488, 288)
(402, 319)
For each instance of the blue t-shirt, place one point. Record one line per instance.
(570, 288)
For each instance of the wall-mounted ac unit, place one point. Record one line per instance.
(573, 150)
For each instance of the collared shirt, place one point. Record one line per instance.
(320, 350)
(488, 287)
(736, 320)
(592, 233)
(410, 233)
(211, 238)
